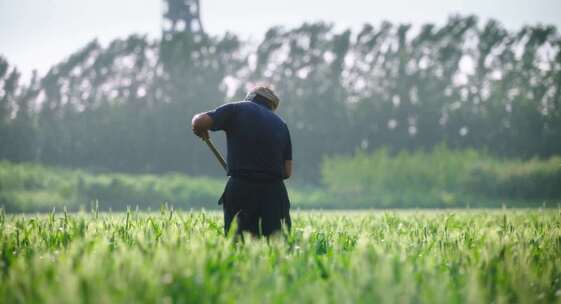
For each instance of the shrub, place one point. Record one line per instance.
(441, 178)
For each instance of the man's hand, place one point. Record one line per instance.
(287, 169)
(200, 124)
(201, 133)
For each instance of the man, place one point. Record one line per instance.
(259, 158)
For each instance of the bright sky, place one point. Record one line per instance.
(35, 34)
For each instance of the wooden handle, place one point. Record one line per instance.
(216, 153)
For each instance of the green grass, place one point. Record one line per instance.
(474, 256)
(30, 187)
(441, 178)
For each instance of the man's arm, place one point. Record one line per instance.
(287, 168)
(217, 119)
(200, 124)
(287, 154)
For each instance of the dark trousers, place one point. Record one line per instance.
(259, 207)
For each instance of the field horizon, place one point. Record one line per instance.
(442, 178)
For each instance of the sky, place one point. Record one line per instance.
(36, 34)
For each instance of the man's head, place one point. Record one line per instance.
(267, 94)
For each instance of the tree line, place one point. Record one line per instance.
(127, 106)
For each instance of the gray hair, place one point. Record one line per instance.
(272, 99)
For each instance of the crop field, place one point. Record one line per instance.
(477, 256)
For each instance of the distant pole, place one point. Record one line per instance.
(182, 16)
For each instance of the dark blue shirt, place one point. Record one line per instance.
(258, 140)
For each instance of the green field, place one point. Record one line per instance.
(441, 178)
(500, 256)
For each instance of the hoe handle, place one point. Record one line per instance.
(216, 153)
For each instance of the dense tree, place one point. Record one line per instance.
(127, 106)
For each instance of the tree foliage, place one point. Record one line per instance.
(127, 106)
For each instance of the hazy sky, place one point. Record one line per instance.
(35, 34)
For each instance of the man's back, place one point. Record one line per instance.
(258, 140)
